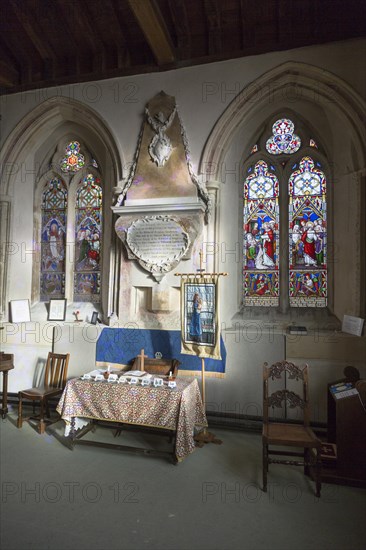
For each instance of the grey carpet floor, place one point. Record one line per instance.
(102, 499)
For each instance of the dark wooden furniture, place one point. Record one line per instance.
(347, 430)
(351, 376)
(6, 364)
(54, 384)
(285, 433)
(157, 366)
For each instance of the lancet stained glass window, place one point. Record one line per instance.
(54, 203)
(283, 140)
(307, 236)
(88, 233)
(73, 160)
(261, 237)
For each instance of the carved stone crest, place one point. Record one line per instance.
(160, 146)
(160, 149)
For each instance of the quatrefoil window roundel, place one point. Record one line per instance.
(284, 140)
(73, 160)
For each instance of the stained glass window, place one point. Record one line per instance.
(54, 203)
(312, 143)
(88, 228)
(261, 237)
(307, 236)
(73, 160)
(254, 149)
(283, 140)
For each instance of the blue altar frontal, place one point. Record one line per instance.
(120, 346)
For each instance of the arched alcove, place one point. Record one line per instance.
(27, 156)
(330, 107)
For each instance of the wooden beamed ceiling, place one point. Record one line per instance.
(47, 43)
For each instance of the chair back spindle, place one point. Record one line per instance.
(56, 370)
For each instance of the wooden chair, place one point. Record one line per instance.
(53, 385)
(287, 434)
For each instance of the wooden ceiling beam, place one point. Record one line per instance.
(9, 76)
(178, 12)
(284, 27)
(9, 70)
(68, 12)
(247, 24)
(33, 31)
(88, 29)
(213, 14)
(152, 25)
(123, 54)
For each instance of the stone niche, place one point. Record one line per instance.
(162, 207)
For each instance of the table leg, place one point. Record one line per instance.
(4, 409)
(72, 432)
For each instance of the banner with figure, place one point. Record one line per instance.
(200, 316)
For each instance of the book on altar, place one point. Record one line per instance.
(134, 373)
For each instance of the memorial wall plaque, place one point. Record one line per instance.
(158, 242)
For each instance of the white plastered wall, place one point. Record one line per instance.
(208, 91)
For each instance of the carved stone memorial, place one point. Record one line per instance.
(157, 242)
(162, 205)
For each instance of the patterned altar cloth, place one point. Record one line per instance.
(179, 409)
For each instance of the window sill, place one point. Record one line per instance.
(275, 320)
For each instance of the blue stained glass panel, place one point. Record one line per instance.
(261, 237)
(88, 233)
(307, 236)
(53, 233)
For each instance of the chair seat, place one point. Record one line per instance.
(42, 391)
(289, 434)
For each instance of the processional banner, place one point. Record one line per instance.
(200, 327)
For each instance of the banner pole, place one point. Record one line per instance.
(203, 383)
(204, 436)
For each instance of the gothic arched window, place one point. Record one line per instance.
(272, 190)
(71, 227)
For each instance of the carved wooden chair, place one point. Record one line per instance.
(53, 385)
(285, 433)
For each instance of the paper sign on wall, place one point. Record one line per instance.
(352, 325)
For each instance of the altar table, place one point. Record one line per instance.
(178, 410)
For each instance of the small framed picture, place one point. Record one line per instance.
(57, 310)
(94, 318)
(20, 311)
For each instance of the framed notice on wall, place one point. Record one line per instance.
(19, 311)
(94, 318)
(57, 311)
